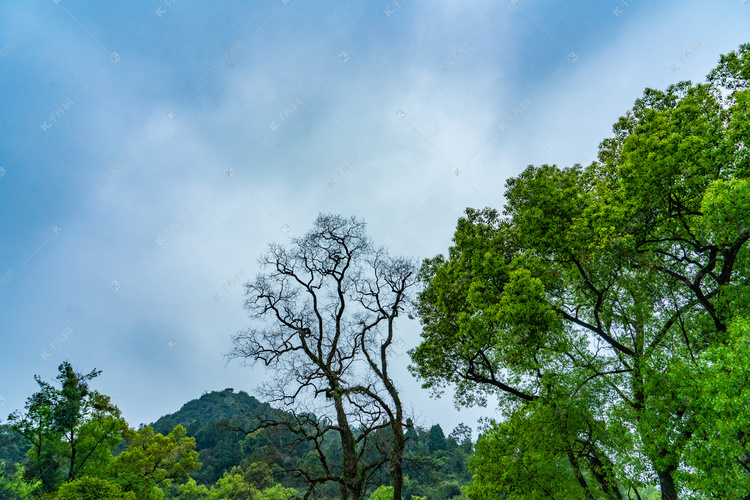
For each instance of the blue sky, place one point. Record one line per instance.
(150, 150)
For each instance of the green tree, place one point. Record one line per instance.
(435, 439)
(93, 488)
(382, 493)
(72, 430)
(717, 389)
(590, 305)
(14, 486)
(153, 460)
(233, 486)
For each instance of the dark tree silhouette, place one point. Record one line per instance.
(325, 311)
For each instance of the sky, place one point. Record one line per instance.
(151, 150)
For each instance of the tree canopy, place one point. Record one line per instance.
(591, 306)
(72, 430)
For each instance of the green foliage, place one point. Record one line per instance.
(14, 486)
(13, 446)
(597, 306)
(726, 209)
(382, 493)
(72, 430)
(219, 449)
(436, 466)
(151, 460)
(233, 486)
(439, 473)
(511, 459)
(717, 392)
(191, 491)
(386, 493)
(93, 488)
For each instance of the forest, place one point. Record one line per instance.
(605, 310)
(188, 455)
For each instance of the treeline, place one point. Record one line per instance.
(190, 454)
(436, 464)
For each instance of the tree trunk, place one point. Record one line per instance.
(395, 461)
(666, 484)
(353, 481)
(71, 472)
(579, 476)
(601, 467)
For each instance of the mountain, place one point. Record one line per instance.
(219, 449)
(435, 465)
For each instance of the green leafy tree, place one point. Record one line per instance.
(153, 460)
(14, 485)
(589, 305)
(93, 488)
(382, 493)
(436, 439)
(71, 429)
(191, 490)
(386, 493)
(233, 486)
(717, 389)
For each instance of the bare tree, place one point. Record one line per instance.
(325, 310)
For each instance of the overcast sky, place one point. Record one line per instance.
(150, 150)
